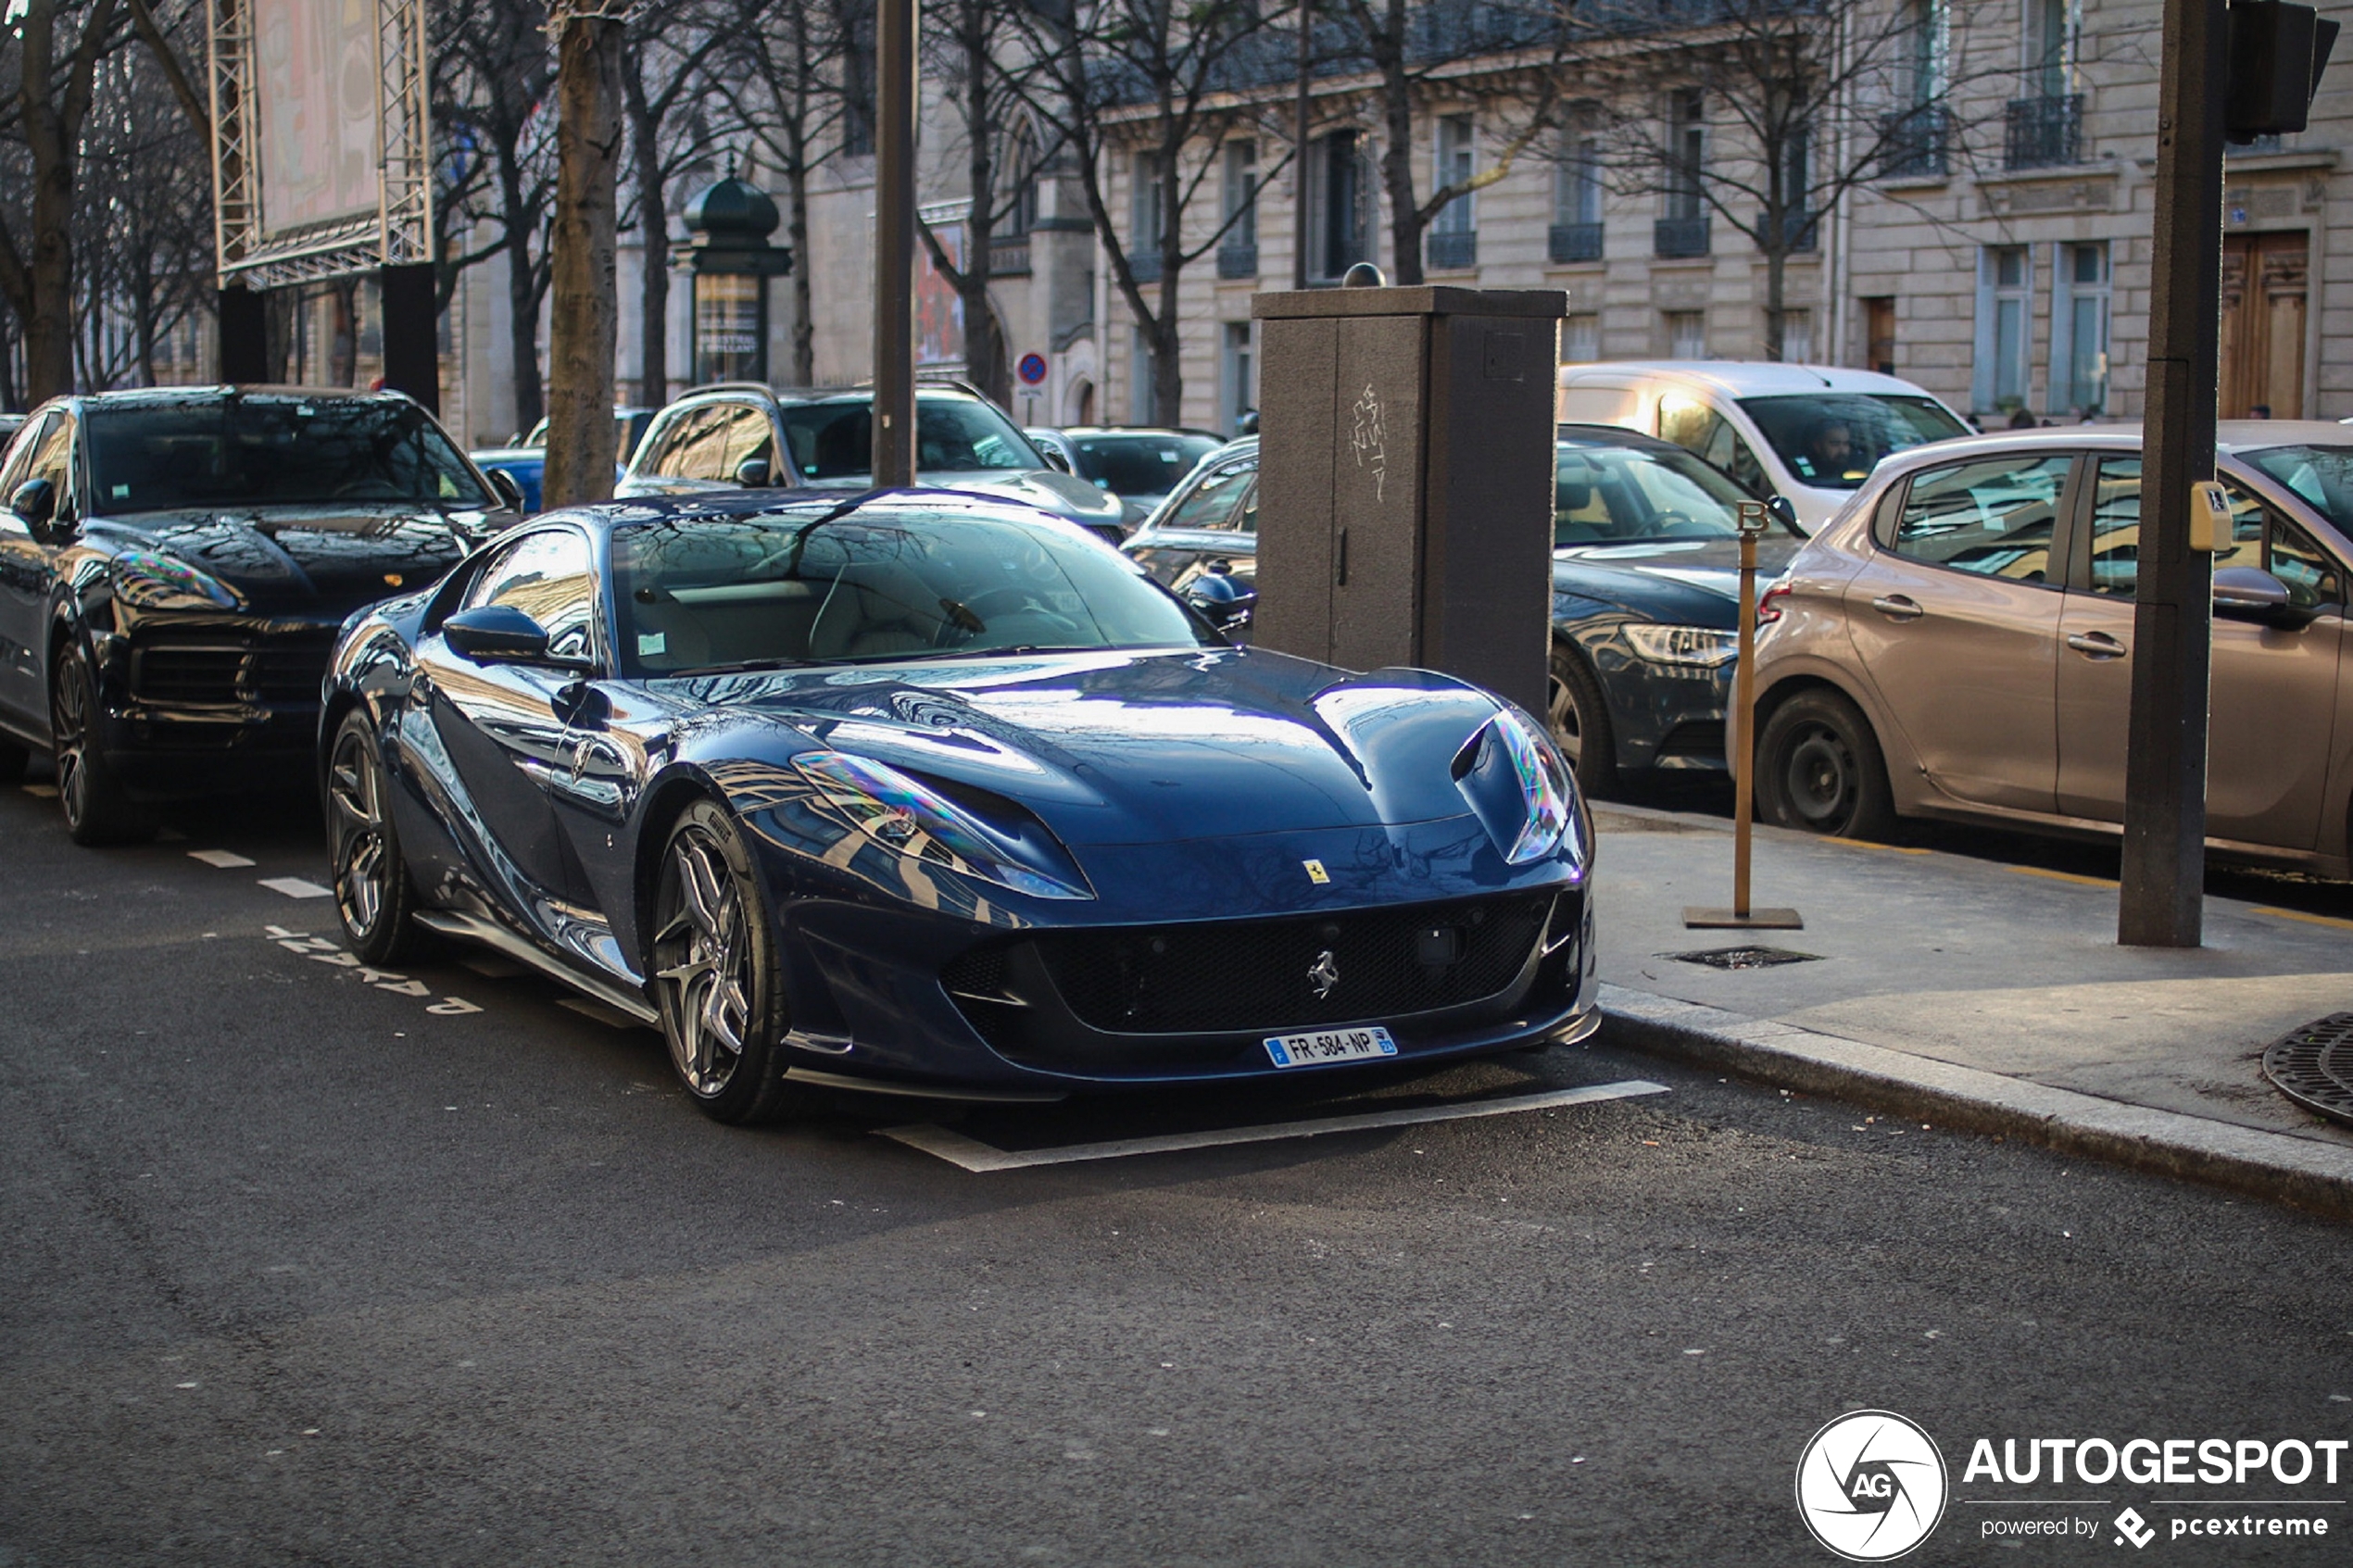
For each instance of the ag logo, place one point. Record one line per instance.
(1870, 1485)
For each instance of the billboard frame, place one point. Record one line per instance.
(399, 233)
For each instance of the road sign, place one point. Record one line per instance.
(1032, 368)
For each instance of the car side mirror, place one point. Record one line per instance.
(510, 493)
(35, 503)
(1054, 460)
(498, 635)
(754, 473)
(2247, 593)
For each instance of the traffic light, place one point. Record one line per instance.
(2278, 51)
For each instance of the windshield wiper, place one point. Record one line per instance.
(739, 668)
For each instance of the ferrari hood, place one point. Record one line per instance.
(1126, 747)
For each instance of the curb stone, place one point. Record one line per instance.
(2278, 1167)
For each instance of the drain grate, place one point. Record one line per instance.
(2314, 1066)
(1744, 957)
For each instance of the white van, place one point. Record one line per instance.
(1810, 433)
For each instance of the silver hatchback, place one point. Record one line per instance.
(1957, 643)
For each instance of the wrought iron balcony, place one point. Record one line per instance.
(1675, 237)
(2044, 132)
(1801, 230)
(1145, 264)
(1236, 260)
(1576, 242)
(1009, 256)
(1916, 143)
(1453, 250)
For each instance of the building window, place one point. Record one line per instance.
(1686, 334)
(1577, 189)
(1581, 340)
(1454, 234)
(858, 84)
(1342, 191)
(1143, 223)
(1879, 334)
(2078, 330)
(2005, 327)
(1238, 251)
(1237, 382)
(1797, 338)
(1682, 226)
(1139, 378)
(2050, 30)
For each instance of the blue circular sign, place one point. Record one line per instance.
(1032, 368)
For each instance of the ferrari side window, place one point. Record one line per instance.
(549, 577)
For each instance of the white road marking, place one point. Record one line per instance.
(974, 1155)
(46, 792)
(612, 1018)
(296, 887)
(226, 859)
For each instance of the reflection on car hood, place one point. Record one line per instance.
(1138, 748)
(1045, 489)
(310, 559)
(1683, 582)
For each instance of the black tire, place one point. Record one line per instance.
(1819, 769)
(374, 893)
(715, 974)
(97, 811)
(13, 761)
(1580, 720)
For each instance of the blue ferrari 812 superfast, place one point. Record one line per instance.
(932, 794)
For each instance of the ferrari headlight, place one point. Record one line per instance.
(1517, 786)
(912, 817)
(1701, 646)
(149, 581)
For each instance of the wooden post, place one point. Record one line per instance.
(1740, 744)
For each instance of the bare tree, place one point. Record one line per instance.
(665, 68)
(1419, 54)
(1818, 98)
(1163, 85)
(806, 95)
(586, 318)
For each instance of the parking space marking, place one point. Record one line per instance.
(974, 1155)
(2309, 920)
(319, 950)
(296, 887)
(2064, 876)
(46, 792)
(225, 858)
(1866, 843)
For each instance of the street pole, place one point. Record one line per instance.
(2161, 900)
(895, 242)
(1298, 148)
(1740, 730)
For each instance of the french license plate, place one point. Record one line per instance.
(1332, 1044)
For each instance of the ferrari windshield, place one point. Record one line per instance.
(812, 587)
(1833, 439)
(274, 451)
(1617, 495)
(2321, 475)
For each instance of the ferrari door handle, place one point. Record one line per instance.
(1895, 606)
(2095, 644)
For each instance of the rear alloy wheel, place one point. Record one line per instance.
(714, 969)
(375, 896)
(1580, 720)
(97, 811)
(1818, 768)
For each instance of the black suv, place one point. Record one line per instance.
(822, 438)
(174, 565)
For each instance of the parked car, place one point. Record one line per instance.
(1811, 433)
(930, 794)
(630, 424)
(1138, 466)
(1645, 591)
(174, 565)
(744, 436)
(1959, 643)
(525, 462)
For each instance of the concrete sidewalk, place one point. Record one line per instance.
(1969, 992)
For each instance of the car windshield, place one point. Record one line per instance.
(1142, 464)
(953, 436)
(1619, 494)
(250, 451)
(1833, 439)
(2321, 475)
(809, 587)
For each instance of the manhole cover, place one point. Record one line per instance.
(1744, 957)
(2314, 1066)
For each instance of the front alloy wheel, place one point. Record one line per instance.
(714, 972)
(96, 808)
(375, 896)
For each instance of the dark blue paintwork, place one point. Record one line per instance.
(1189, 784)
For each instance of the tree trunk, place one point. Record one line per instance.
(1397, 159)
(653, 231)
(1168, 364)
(581, 438)
(1776, 317)
(804, 327)
(984, 345)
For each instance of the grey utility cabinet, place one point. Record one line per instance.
(1405, 480)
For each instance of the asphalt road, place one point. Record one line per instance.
(308, 1266)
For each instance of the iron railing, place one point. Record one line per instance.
(1680, 237)
(1236, 259)
(1453, 250)
(1916, 143)
(1576, 242)
(2044, 132)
